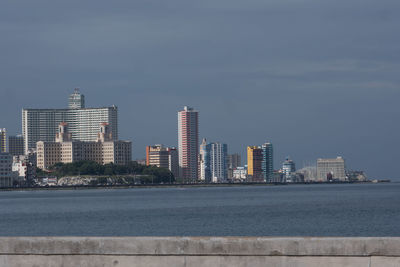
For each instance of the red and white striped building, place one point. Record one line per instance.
(188, 140)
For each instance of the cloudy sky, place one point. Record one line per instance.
(316, 78)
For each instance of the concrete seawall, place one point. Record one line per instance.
(199, 251)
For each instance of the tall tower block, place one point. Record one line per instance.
(188, 140)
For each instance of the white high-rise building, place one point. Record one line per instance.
(213, 162)
(219, 162)
(84, 123)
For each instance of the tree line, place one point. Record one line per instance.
(151, 174)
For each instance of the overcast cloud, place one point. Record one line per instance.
(316, 78)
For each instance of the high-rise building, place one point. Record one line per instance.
(6, 174)
(254, 163)
(163, 157)
(104, 150)
(42, 124)
(204, 162)
(219, 162)
(267, 164)
(173, 160)
(3, 140)
(16, 145)
(76, 100)
(234, 161)
(188, 140)
(213, 162)
(331, 169)
(289, 169)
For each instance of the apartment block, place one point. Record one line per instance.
(163, 157)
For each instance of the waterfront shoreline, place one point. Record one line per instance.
(83, 187)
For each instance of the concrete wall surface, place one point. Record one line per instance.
(200, 251)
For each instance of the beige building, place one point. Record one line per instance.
(163, 157)
(331, 169)
(64, 149)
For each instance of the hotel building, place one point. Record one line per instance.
(104, 150)
(42, 124)
(331, 169)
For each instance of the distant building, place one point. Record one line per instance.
(267, 164)
(234, 161)
(239, 173)
(84, 123)
(163, 157)
(289, 169)
(357, 176)
(16, 145)
(173, 159)
(7, 176)
(141, 161)
(76, 100)
(213, 162)
(188, 140)
(308, 174)
(3, 140)
(204, 162)
(25, 168)
(278, 177)
(104, 150)
(254, 163)
(219, 162)
(331, 169)
(157, 155)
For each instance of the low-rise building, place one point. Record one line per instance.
(24, 168)
(240, 173)
(64, 149)
(308, 174)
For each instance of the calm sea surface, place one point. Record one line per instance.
(298, 210)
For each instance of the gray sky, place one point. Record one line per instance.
(316, 78)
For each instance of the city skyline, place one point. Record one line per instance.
(316, 79)
(77, 101)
